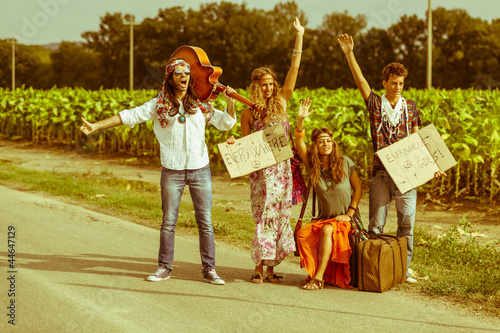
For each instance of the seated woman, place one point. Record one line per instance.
(323, 243)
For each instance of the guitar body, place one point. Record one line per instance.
(206, 77)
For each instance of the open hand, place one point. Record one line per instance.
(297, 26)
(346, 43)
(303, 111)
(342, 218)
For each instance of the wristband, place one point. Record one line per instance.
(351, 207)
(300, 134)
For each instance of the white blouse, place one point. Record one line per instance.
(182, 146)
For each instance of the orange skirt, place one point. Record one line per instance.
(337, 271)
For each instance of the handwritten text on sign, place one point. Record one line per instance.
(256, 151)
(414, 160)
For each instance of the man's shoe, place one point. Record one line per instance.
(161, 274)
(212, 276)
(411, 280)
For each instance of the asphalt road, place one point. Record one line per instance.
(80, 271)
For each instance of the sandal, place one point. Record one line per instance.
(306, 280)
(314, 284)
(256, 278)
(273, 278)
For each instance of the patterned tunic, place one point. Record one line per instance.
(382, 138)
(271, 199)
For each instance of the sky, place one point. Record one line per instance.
(39, 22)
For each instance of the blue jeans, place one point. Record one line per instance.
(200, 187)
(382, 190)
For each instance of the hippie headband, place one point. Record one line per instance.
(174, 63)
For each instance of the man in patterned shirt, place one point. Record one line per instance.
(392, 118)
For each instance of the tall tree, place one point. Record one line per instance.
(325, 61)
(457, 39)
(75, 66)
(112, 42)
(374, 51)
(409, 43)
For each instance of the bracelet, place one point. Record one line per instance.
(351, 207)
(295, 51)
(300, 134)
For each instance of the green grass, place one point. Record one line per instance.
(458, 267)
(136, 201)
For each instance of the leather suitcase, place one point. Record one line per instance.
(382, 262)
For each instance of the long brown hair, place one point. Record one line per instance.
(336, 160)
(275, 106)
(190, 100)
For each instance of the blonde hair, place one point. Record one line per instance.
(275, 106)
(336, 160)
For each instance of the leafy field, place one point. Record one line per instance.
(468, 120)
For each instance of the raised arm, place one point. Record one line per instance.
(347, 46)
(300, 143)
(291, 77)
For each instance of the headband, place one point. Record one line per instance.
(174, 63)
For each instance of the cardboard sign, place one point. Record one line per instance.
(414, 160)
(256, 151)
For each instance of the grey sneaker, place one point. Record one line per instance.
(161, 274)
(411, 280)
(212, 276)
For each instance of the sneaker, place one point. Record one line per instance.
(411, 280)
(213, 277)
(161, 274)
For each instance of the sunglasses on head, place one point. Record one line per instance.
(180, 71)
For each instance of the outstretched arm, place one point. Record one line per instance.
(300, 143)
(347, 46)
(291, 77)
(88, 128)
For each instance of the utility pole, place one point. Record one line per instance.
(429, 47)
(13, 41)
(131, 53)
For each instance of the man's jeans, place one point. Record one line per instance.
(382, 190)
(200, 187)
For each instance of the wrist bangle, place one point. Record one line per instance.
(295, 51)
(300, 134)
(351, 207)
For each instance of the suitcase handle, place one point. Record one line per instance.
(384, 236)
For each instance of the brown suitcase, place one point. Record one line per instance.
(382, 263)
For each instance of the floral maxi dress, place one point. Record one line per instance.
(271, 199)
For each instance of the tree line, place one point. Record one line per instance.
(466, 50)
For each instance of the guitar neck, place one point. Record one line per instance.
(243, 100)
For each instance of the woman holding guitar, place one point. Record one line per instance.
(180, 118)
(271, 188)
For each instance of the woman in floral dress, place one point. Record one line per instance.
(271, 188)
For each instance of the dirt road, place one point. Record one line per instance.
(80, 271)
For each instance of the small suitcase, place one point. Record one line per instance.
(382, 263)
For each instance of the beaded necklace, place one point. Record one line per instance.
(327, 176)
